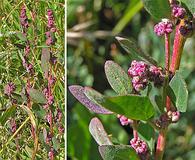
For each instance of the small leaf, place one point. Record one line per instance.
(132, 106)
(158, 8)
(21, 36)
(117, 78)
(132, 48)
(117, 152)
(37, 96)
(179, 88)
(45, 58)
(56, 143)
(78, 93)
(97, 131)
(190, 4)
(146, 133)
(7, 114)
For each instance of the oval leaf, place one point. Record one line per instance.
(179, 88)
(190, 4)
(97, 131)
(158, 8)
(132, 48)
(78, 93)
(117, 152)
(132, 106)
(45, 57)
(117, 78)
(37, 96)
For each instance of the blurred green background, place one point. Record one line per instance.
(92, 27)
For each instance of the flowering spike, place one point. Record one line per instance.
(178, 12)
(139, 145)
(163, 27)
(124, 120)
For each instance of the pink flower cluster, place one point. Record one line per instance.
(124, 120)
(163, 27)
(138, 72)
(23, 18)
(139, 145)
(51, 28)
(178, 11)
(141, 73)
(9, 88)
(174, 116)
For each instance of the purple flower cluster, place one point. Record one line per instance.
(139, 145)
(141, 73)
(9, 89)
(124, 120)
(24, 19)
(178, 12)
(13, 125)
(50, 37)
(24, 24)
(51, 154)
(138, 72)
(163, 27)
(174, 116)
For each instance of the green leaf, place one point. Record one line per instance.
(190, 4)
(146, 133)
(117, 152)
(7, 114)
(37, 96)
(45, 57)
(132, 48)
(56, 143)
(159, 103)
(132, 106)
(97, 131)
(21, 36)
(117, 78)
(179, 88)
(158, 8)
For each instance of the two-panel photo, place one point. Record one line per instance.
(97, 80)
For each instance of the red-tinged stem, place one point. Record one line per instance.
(167, 52)
(179, 42)
(160, 145)
(167, 64)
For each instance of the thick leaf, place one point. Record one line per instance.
(45, 57)
(92, 94)
(179, 88)
(117, 78)
(190, 4)
(132, 106)
(78, 93)
(99, 134)
(158, 8)
(117, 152)
(132, 48)
(7, 114)
(147, 133)
(178, 92)
(37, 96)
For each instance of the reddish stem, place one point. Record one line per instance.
(179, 42)
(167, 52)
(160, 145)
